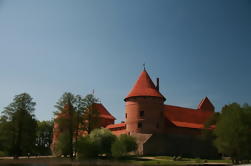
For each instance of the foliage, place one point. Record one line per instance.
(87, 148)
(123, 145)
(18, 126)
(104, 140)
(212, 120)
(233, 132)
(63, 145)
(91, 114)
(44, 137)
(75, 115)
(118, 149)
(129, 142)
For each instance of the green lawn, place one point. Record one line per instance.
(167, 160)
(138, 161)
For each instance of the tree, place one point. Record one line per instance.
(87, 148)
(98, 142)
(63, 146)
(118, 149)
(19, 124)
(123, 145)
(76, 115)
(44, 137)
(129, 142)
(66, 120)
(104, 140)
(233, 132)
(91, 117)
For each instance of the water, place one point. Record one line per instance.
(35, 165)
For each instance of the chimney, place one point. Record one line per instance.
(157, 86)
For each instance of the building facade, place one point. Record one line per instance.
(160, 129)
(164, 129)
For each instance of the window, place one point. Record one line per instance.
(126, 115)
(141, 113)
(139, 124)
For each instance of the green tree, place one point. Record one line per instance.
(44, 137)
(104, 140)
(66, 120)
(118, 149)
(87, 148)
(91, 117)
(129, 142)
(123, 145)
(19, 125)
(76, 115)
(233, 132)
(63, 146)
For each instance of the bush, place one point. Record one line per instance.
(63, 145)
(129, 142)
(2, 154)
(123, 145)
(87, 148)
(118, 149)
(104, 139)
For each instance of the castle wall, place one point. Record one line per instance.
(180, 145)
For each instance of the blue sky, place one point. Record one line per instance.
(197, 48)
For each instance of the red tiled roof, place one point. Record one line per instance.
(111, 126)
(103, 112)
(186, 117)
(144, 87)
(117, 129)
(188, 125)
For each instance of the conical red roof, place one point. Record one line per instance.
(144, 87)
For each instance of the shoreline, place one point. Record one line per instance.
(53, 161)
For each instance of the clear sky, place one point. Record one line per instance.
(197, 48)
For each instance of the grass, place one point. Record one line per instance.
(136, 161)
(167, 160)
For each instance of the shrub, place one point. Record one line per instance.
(2, 154)
(104, 139)
(123, 145)
(118, 149)
(87, 148)
(129, 142)
(63, 144)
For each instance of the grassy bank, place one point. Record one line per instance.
(137, 161)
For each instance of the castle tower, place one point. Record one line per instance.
(144, 106)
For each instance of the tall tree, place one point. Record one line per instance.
(66, 119)
(75, 115)
(91, 117)
(20, 125)
(233, 132)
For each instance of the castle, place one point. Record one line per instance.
(161, 129)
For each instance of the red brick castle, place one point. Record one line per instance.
(160, 129)
(157, 125)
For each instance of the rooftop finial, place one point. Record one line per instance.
(144, 65)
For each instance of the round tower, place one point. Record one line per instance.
(144, 107)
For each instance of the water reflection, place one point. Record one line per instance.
(35, 165)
